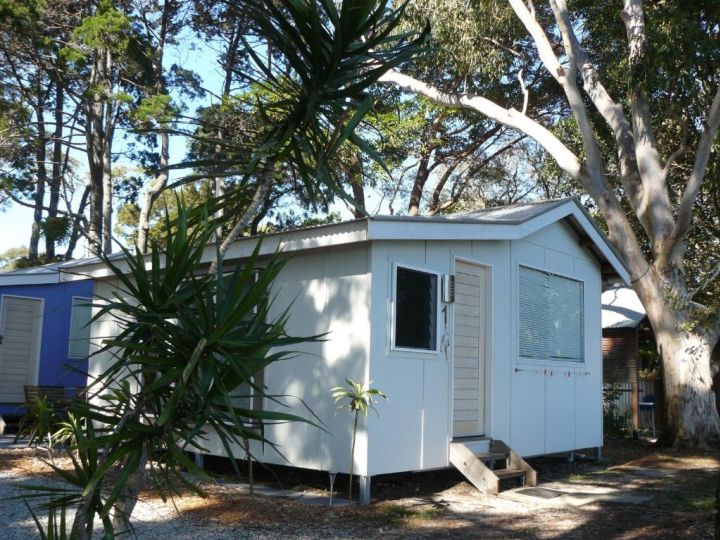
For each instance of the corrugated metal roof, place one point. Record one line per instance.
(621, 308)
(35, 270)
(512, 214)
(500, 220)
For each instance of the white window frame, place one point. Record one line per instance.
(438, 309)
(72, 303)
(550, 360)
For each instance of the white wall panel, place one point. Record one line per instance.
(527, 422)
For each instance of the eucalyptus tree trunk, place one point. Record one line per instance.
(424, 169)
(77, 224)
(107, 189)
(684, 345)
(219, 186)
(266, 178)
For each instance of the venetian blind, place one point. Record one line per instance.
(551, 316)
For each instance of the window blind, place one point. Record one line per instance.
(551, 316)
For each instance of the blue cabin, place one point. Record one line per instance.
(45, 333)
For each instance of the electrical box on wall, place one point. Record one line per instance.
(448, 288)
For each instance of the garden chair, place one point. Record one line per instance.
(648, 405)
(45, 406)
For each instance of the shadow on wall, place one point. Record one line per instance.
(336, 304)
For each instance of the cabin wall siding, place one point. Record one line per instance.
(346, 292)
(557, 406)
(55, 366)
(327, 293)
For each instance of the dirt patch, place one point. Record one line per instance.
(678, 489)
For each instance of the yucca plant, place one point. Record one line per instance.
(359, 399)
(310, 95)
(188, 339)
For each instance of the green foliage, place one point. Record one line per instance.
(649, 361)
(56, 228)
(10, 256)
(187, 341)
(154, 109)
(107, 28)
(57, 527)
(358, 399)
(615, 423)
(324, 61)
(473, 39)
(40, 421)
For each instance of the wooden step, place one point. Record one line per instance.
(491, 456)
(474, 465)
(504, 474)
(479, 445)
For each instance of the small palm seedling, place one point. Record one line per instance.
(357, 398)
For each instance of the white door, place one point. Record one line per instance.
(469, 350)
(20, 327)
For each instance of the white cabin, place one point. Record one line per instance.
(480, 326)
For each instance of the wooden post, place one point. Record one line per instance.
(200, 460)
(634, 408)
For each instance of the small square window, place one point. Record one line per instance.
(416, 299)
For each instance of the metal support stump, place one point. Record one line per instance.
(364, 489)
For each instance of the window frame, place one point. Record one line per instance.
(70, 328)
(438, 309)
(551, 360)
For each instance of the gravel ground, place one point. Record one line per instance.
(640, 492)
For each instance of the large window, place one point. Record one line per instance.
(551, 316)
(80, 315)
(416, 309)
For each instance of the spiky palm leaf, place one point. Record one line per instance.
(358, 398)
(188, 339)
(315, 87)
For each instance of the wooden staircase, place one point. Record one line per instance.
(486, 463)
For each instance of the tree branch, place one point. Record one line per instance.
(267, 177)
(621, 232)
(613, 115)
(656, 200)
(565, 158)
(675, 249)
